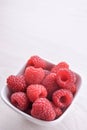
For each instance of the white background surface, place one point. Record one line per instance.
(55, 30)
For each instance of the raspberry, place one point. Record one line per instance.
(71, 87)
(60, 66)
(34, 75)
(38, 62)
(74, 76)
(42, 109)
(57, 110)
(64, 77)
(20, 100)
(62, 98)
(36, 91)
(50, 83)
(16, 83)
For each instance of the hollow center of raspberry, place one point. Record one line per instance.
(64, 78)
(63, 99)
(41, 95)
(32, 64)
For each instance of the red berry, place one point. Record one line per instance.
(50, 83)
(16, 83)
(62, 98)
(64, 76)
(34, 75)
(60, 66)
(20, 100)
(36, 91)
(42, 109)
(38, 62)
(74, 76)
(72, 87)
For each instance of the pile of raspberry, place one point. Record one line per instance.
(43, 90)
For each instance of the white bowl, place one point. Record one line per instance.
(5, 97)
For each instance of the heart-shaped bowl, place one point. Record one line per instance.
(5, 97)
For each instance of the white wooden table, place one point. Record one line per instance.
(55, 30)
